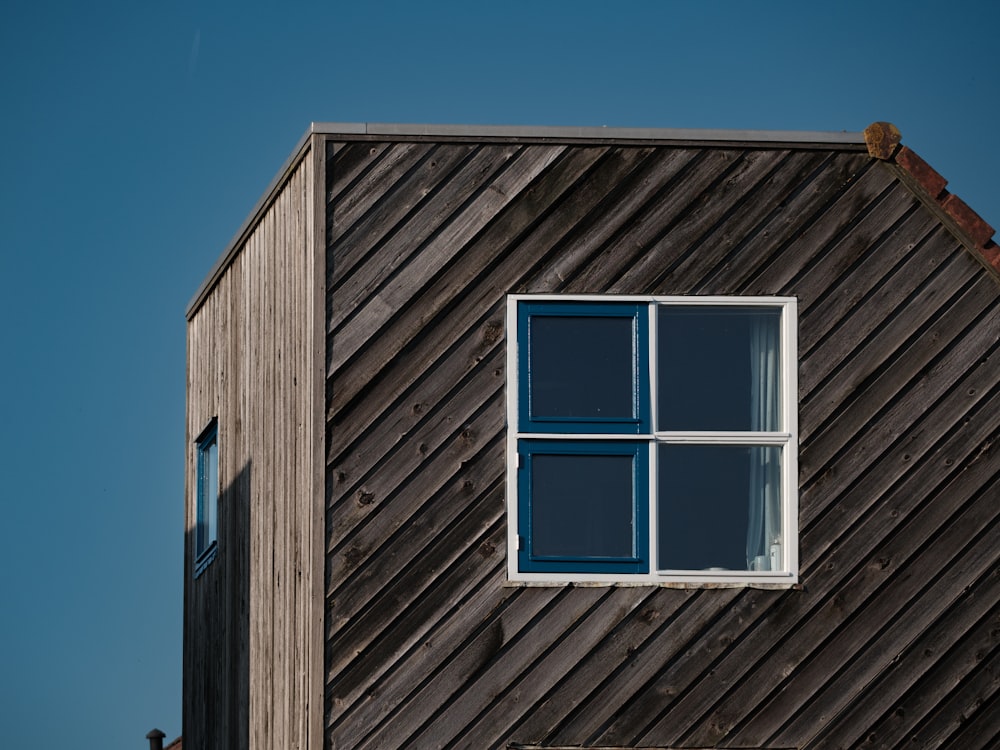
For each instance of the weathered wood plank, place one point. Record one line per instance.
(352, 160)
(681, 237)
(903, 346)
(380, 618)
(356, 584)
(846, 251)
(874, 404)
(835, 299)
(480, 642)
(943, 379)
(825, 229)
(386, 218)
(433, 256)
(353, 282)
(827, 354)
(818, 647)
(642, 233)
(897, 389)
(589, 222)
(714, 248)
(412, 428)
(624, 702)
(952, 691)
(372, 501)
(254, 659)
(786, 223)
(498, 651)
(353, 701)
(579, 694)
(462, 308)
(503, 717)
(979, 724)
(375, 182)
(938, 460)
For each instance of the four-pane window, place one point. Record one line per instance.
(654, 438)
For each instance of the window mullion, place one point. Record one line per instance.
(652, 363)
(731, 438)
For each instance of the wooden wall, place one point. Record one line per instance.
(252, 617)
(892, 639)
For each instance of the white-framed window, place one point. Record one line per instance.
(206, 521)
(652, 439)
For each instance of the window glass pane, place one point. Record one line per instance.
(719, 506)
(206, 512)
(582, 505)
(718, 368)
(582, 366)
(212, 490)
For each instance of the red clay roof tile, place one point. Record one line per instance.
(883, 139)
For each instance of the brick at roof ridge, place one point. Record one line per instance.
(968, 220)
(881, 138)
(924, 173)
(884, 142)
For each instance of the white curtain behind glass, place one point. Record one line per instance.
(764, 527)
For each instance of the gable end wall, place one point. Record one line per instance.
(893, 633)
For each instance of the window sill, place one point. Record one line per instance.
(768, 585)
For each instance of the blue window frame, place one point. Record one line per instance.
(583, 506)
(603, 344)
(654, 439)
(206, 528)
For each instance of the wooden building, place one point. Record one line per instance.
(456, 477)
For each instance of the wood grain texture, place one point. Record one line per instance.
(249, 661)
(354, 351)
(891, 635)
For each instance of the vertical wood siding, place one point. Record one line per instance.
(892, 640)
(249, 616)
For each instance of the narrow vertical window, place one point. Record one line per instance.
(207, 497)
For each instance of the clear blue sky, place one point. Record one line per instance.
(136, 137)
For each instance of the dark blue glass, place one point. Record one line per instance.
(718, 368)
(583, 367)
(583, 506)
(708, 496)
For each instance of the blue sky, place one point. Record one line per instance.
(135, 139)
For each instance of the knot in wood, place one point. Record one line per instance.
(492, 332)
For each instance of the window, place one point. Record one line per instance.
(653, 439)
(206, 527)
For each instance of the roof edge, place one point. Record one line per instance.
(558, 132)
(234, 245)
(403, 130)
(884, 142)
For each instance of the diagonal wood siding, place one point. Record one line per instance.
(892, 639)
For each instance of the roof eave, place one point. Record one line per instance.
(563, 133)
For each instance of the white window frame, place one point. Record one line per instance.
(787, 438)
